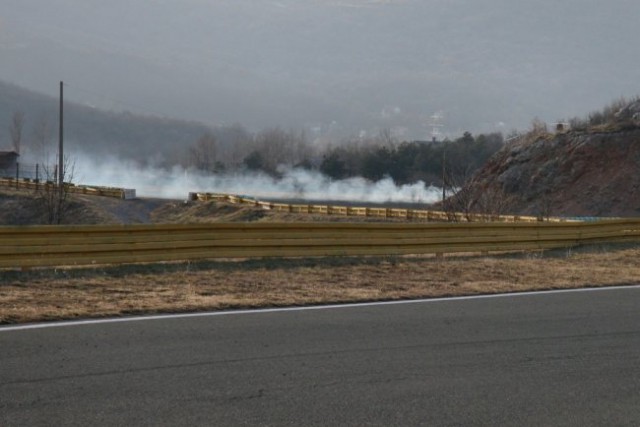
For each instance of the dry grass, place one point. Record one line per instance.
(178, 287)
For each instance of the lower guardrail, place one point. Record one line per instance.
(33, 246)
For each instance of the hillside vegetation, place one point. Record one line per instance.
(589, 170)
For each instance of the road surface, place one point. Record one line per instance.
(567, 358)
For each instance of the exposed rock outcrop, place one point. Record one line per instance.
(568, 174)
(630, 113)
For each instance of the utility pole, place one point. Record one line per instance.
(436, 122)
(444, 173)
(61, 143)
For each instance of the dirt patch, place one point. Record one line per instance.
(54, 294)
(203, 212)
(135, 211)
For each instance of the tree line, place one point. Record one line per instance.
(233, 148)
(372, 158)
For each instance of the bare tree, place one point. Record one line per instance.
(476, 205)
(239, 145)
(15, 129)
(54, 197)
(203, 154)
(538, 129)
(468, 203)
(545, 206)
(492, 202)
(273, 145)
(278, 147)
(459, 198)
(385, 138)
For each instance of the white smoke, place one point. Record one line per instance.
(178, 182)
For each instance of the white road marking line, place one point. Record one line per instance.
(61, 324)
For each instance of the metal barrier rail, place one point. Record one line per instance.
(31, 246)
(28, 184)
(427, 215)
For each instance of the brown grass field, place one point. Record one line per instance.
(70, 293)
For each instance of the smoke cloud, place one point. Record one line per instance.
(177, 183)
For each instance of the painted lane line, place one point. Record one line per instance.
(303, 308)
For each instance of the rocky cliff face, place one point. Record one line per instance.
(575, 173)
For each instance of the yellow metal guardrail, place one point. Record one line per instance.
(28, 184)
(32, 246)
(427, 215)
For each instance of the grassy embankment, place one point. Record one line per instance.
(54, 294)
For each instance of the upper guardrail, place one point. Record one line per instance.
(36, 185)
(427, 215)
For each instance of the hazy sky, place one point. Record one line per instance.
(345, 65)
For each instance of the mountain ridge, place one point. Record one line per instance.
(96, 131)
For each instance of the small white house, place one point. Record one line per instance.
(562, 127)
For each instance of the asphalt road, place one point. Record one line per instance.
(553, 359)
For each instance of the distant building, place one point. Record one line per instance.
(8, 162)
(562, 127)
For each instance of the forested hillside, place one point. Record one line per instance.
(409, 162)
(168, 142)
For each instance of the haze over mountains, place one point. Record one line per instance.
(329, 66)
(91, 130)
